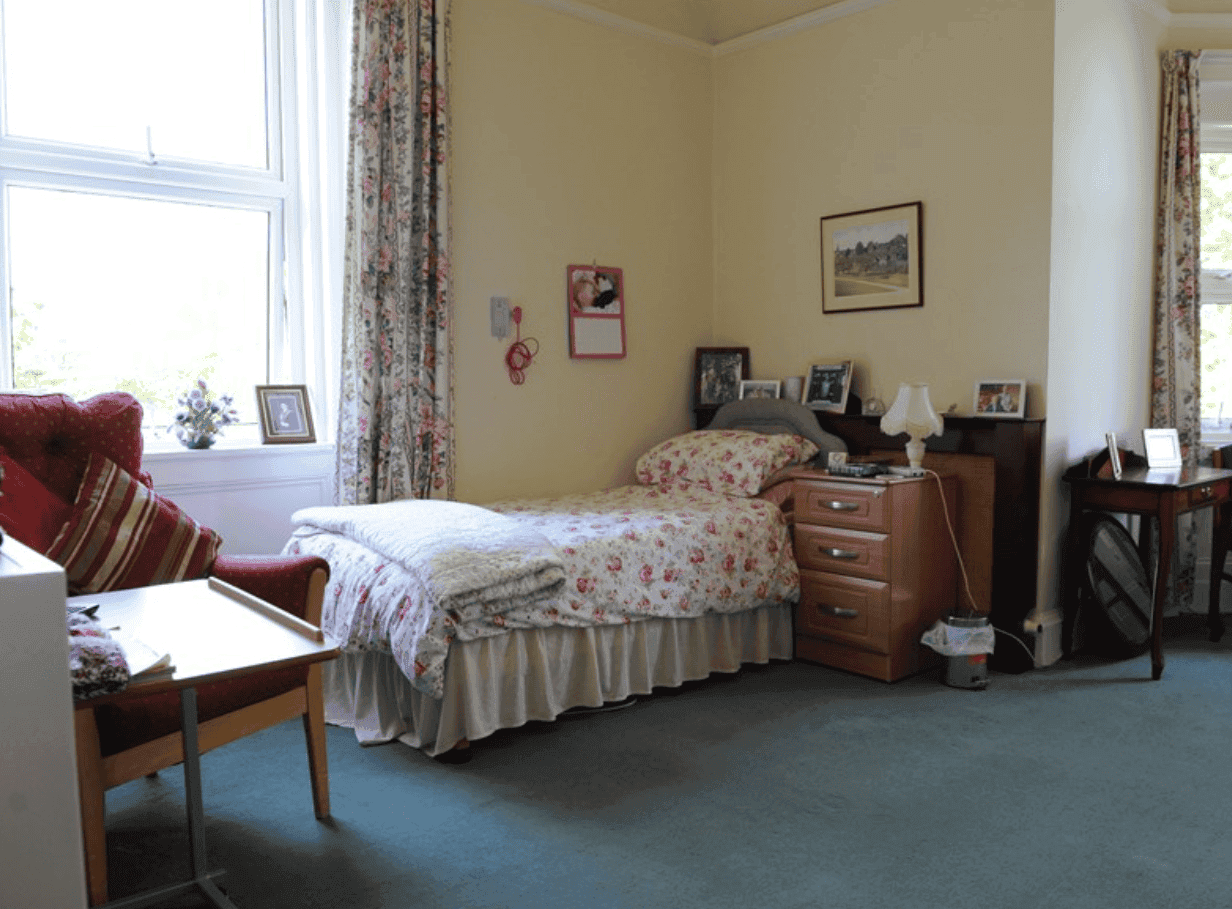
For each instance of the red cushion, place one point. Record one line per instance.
(29, 511)
(122, 534)
(53, 436)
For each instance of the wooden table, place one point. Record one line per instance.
(1159, 494)
(212, 631)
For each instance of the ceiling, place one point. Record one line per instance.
(716, 21)
(710, 21)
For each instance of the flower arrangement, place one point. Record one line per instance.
(201, 416)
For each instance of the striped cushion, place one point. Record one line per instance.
(122, 534)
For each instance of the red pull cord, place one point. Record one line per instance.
(519, 356)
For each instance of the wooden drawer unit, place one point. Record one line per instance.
(854, 552)
(838, 504)
(877, 568)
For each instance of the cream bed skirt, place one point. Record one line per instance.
(538, 673)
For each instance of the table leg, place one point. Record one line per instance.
(202, 879)
(1219, 553)
(1167, 539)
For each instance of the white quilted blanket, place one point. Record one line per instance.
(471, 561)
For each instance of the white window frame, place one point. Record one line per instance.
(299, 321)
(1215, 287)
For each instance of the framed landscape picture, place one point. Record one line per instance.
(717, 374)
(873, 259)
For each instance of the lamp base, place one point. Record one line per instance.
(898, 471)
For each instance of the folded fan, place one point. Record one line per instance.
(473, 561)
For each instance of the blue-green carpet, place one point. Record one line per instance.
(792, 785)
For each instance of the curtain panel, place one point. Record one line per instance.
(1176, 371)
(395, 421)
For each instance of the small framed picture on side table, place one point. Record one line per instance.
(285, 414)
(1163, 448)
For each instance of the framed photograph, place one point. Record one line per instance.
(596, 312)
(1114, 455)
(826, 386)
(759, 388)
(717, 374)
(285, 414)
(1163, 448)
(1000, 398)
(873, 259)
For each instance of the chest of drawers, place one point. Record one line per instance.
(877, 568)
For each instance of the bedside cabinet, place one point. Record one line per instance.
(877, 568)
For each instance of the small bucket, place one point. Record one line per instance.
(967, 670)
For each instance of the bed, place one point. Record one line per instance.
(457, 620)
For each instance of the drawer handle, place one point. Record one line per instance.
(839, 612)
(842, 506)
(839, 553)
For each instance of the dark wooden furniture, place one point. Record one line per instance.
(1158, 495)
(214, 632)
(1221, 543)
(998, 463)
(877, 569)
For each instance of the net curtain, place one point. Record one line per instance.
(395, 423)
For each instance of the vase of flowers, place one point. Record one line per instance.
(201, 416)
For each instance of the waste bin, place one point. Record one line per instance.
(965, 642)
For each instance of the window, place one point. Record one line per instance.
(151, 206)
(1216, 218)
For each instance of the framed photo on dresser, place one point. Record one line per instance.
(717, 374)
(827, 385)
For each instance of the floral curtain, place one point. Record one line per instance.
(395, 422)
(1178, 262)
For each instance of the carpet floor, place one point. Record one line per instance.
(791, 785)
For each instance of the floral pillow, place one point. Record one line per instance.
(735, 462)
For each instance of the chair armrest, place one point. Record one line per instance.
(294, 583)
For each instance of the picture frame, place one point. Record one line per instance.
(1000, 398)
(596, 303)
(1114, 455)
(717, 374)
(285, 415)
(760, 388)
(1163, 449)
(873, 259)
(827, 385)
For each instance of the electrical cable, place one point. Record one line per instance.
(519, 356)
(963, 568)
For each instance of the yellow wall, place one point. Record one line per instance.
(947, 102)
(574, 143)
(1026, 127)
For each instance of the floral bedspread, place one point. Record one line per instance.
(630, 553)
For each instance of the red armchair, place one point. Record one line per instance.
(48, 445)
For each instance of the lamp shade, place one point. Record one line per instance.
(912, 412)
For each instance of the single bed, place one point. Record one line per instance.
(598, 597)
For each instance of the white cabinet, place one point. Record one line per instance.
(41, 861)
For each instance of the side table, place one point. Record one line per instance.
(1158, 494)
(213, 631)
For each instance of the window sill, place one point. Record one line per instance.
(224, 449)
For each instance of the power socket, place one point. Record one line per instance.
(500, 317)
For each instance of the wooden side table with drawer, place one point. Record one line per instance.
(877, 568)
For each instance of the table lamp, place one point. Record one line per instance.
(913, 414)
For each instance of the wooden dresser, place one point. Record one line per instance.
(877, 568)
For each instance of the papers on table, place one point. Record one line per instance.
(144, 660)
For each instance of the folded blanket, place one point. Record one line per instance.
(472, 561)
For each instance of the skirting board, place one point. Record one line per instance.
(1045, 629)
